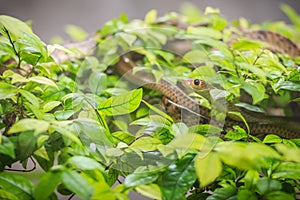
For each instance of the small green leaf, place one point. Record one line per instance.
(140, 178)
(7, 147)
(63, 114)
(208, 168)
(272, 139)
(122, 104)
(152, 191)
(67, 132)
(178, 178)
(146, 143)
(14, 26)
(286, 85)
(47, 184)
(39, 126)
(84, 163)
(7, 90)
(17, 185)
(44, 81)
(77, 184)
(50, 106)
(266, 185)
(204, 31)
(97, 82)
(195, 56)
(76, 33)
(151, 16)
(30, 97)
(237, 134)
(128, 38)
(5, 195)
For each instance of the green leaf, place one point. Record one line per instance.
(7, 147)
(140, 178)
(77, 184)
(208, 168)
(151, 16)
(288, 170)
(178, 178)
(128, 38)
(254, 69)
(76, 33)
(7, 90)
(146, 143)
(67, 132)
(5, 195)
(14, 26)
(246, 194)
(30, 97)
(279, 195)
(63, 114)
(266, 185)
(17, 185)
(50, 106)
(97, 82)
(286, 85)
(237, 134)
(39, 126)
(204, 31)
(195, 56)
(245, 156)
(272, 139)
(152, 191)
(256, 90)
(122, 104)
(84, 163)
(44, 81)
(228, 192)
(47, 184)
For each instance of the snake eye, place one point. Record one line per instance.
(196, 81)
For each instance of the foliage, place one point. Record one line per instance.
(86, 128)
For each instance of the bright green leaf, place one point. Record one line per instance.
(208, 168)
(122, 104)
(7, 90)
(39, 126)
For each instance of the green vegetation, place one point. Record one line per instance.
(86, 128)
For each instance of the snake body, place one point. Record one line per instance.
(192, 113)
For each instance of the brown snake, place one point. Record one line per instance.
(192, 113)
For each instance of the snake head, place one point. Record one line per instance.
(196, 84)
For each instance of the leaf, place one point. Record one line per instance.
(5, 195)
(287, 170)
(76, 33)
(122, 104)
(272, 139)
(254, 69)
(77, 184)
(7, 147)
(128, 38)
(7, 90)
(188, 141)
(266, 185)
(39, 126)
(146, 144)
(204, 31)
(178, 178)
(47, 184)
(50, 106)
(195, 56)
(152, 191)
(256, 90)
(228, 192)
(67, 132)
(97, 82)
(150, 16)
(17, 185)
(44, 81)
(14, 26)
(63, 114)
(237, 134)
(208, 168)
(84, 163)
(245, 156)
(286, 85)
(30, 97)
(140, 178)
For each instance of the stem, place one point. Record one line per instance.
(14, 47)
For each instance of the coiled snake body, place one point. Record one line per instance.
(192, 113)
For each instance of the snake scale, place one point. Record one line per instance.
(193, 113)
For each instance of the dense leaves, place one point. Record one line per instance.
(97, 137)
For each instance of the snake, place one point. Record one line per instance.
(178, 103)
